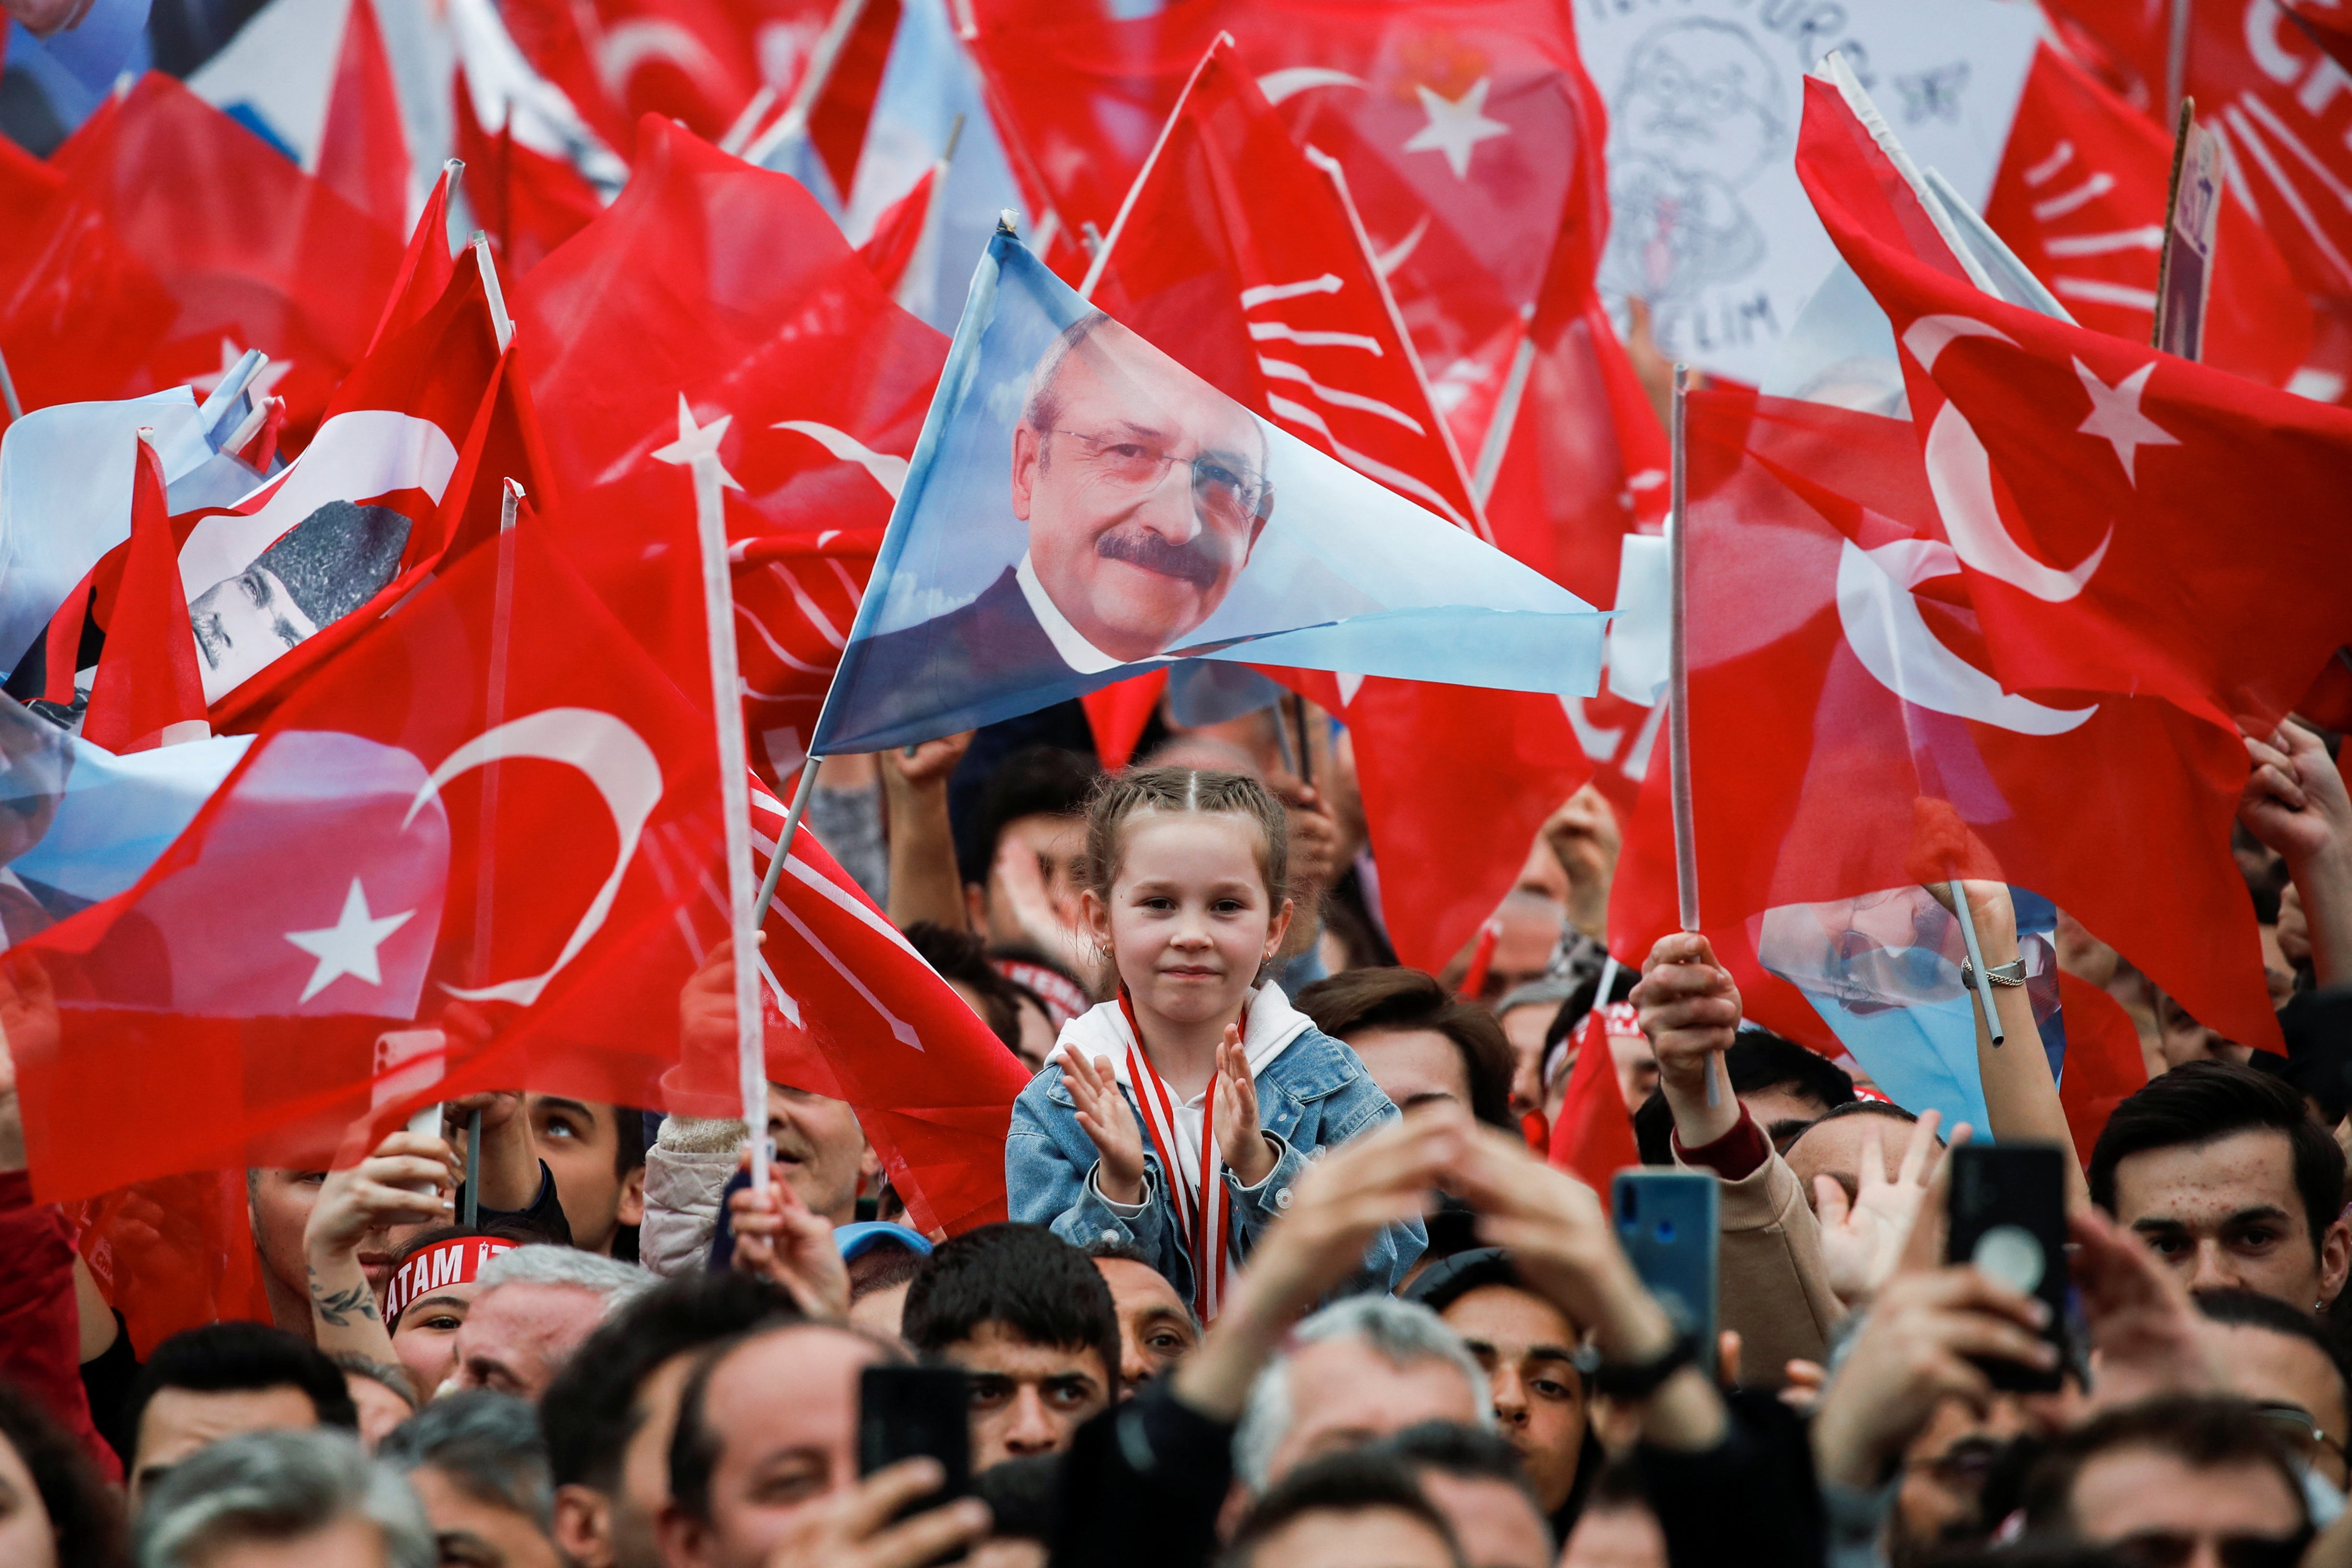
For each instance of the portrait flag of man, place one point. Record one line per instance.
(1080, 505)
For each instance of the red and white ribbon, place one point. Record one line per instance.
(1196, 1174)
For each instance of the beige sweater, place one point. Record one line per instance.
(1773, 1286)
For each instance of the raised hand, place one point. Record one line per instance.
(2295, 799)
(929, 763)
(1689, 1006)
(1105, 1116)
(1239, 1137)
(406, 1181)
(782, 1240)
(862, 1527)
(1863, 1241)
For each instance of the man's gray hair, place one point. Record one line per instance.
(1399, 1332)
(487, 1444)
(278, 1487)
(544, 1263)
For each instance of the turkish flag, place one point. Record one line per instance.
(426, 266)
(2104, 1061)
(2083, 481)
(492, 800)
(148, 692)
(715, 304)
(1594, 1133)
(2328, 25)
(854, 1013)
(898, 230)
(1242, 254)
(2081, 198)
(528, 203)
(207, 242)
(362, 149)
(1846, 737)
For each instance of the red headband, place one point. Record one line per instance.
(455, 1262)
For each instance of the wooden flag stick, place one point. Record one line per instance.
(1678, 698)
(1976, 958)
(735, 802)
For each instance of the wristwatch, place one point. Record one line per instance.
(2010, 973)
(1642, 1379)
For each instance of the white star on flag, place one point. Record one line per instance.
(2115, 418)
(349, 945)
(1455, 125)
(694, 442)
(265, 379)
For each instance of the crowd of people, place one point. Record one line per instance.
(1286, 1281)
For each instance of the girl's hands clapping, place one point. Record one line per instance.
(1105, 1116)
(1239, 1137)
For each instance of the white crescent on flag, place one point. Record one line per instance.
(889, 472)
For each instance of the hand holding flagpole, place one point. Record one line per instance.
(1678, 705)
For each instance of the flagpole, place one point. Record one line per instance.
(16, 410)
(1976, 958)
(785, 843)
(1678, 699)
(735, 803)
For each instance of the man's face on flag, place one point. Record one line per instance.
(1144, 489)
(242, 624)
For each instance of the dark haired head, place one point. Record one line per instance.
(2252, 1309)
(1466, 1453)
(1583, 1000)
(1356, 1481)
(591, 1411)
(694, 1447)
(2201, 1101)
(1023, 1277)
(1023, 1496)
(1359, 1001)
(962, 959)
(1653, 1130)
(1759, 1060)
(84, 1513)
(2203, 1434)
(1036, 782)
(489, 1446)
(242, 1357)
(1122, 797)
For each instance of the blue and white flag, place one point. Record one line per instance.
(1883, 971)
(1080, 507)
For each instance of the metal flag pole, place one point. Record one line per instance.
(1976, 958)
(1678, 701)
(784, 845)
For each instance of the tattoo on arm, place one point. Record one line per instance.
(336, 1307)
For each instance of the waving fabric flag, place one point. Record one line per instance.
(714, 307)
(1081, 504)
(492, 799)
(2080, 477)
(1242, 251)
(854, 1013)
(148, 692)
(363, 148)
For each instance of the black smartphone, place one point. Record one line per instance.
(2009, 1218)
(903, 1411)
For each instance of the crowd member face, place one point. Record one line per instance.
(2180, 1039)
(472, 1534)
(1531, 931)
(1026, 1398)
(1941, 1496)
(1155, 1330)
(1525, 1343)
(1143, 499)
(281, 1201)
(517, 1336)
(784, 1411)
(581, 1142)
(1838, 1148)
(1059, 843)
(620, 1529)
(1385, 1537)
(426, 1338)
(1344, 1393)
(1525, 1027)
(1188, 921)
(2226, 1214)
(2083, 955)
(242, 624)
(179, 1421)
(27, 1536)
(379, 1408)
(1415, 1067)
(820, 1150)
(1637, 1064)
(1493, 1521)
(1616, 1538)
(2134, 1494)
(2295, 1385)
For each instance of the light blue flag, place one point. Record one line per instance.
(1081, 506)
(1883, 971)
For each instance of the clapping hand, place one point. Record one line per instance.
(1239, 1137)
(1105, 1116)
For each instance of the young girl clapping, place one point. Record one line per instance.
(1175, 1118)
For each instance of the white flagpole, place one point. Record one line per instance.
(785, 843)
(8, 404)
(1678, 699)
(735, 802)
(1976, 958)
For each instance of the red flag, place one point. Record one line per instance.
(428, 264)
(897, 231)
(2327, 23)
(1847, 738)
(528, 203)
(2080, 197)
(1118, 713)
(492, 799)
(854, 1013)
(714, 303)
(2104, 1063)
(1594, 1133)
(148, 692)
(362, 149)
(246, 250)
(2047, 443)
